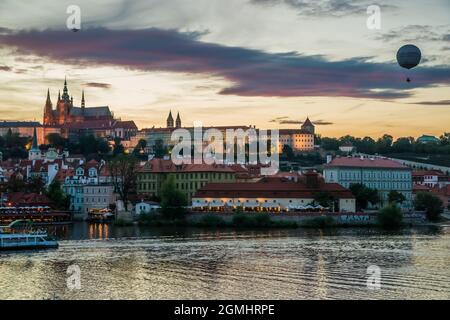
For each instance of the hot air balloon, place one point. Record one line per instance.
(408, 57)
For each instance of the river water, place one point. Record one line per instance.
(158, 263)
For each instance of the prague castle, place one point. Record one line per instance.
(67, 113)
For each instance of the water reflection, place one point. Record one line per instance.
(171, 263)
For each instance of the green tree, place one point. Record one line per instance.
(35, 185)
(390, 216)
(123, 172)
(366, 145)
(403, 144)
(57, 141)
(15, 185)
(384, 144)
(429, 203)
(173, 201)
(364, 195)
(89, 144)
(160, 149)
(331, 144)
(288, 153)
(56, 194)
(324, 198)
(396, 197)
(118, 147)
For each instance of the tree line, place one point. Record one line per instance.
(386, 144)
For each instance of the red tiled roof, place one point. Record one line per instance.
(23, 198)
(203, 128)
(270, 188)
(167, 166)
(64, 173)
(40, 165)
(92, 124)
(421, 173)
(354, 162)
(126, 125)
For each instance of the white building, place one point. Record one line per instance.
(146, 207)
(87, 191)
(272, 194)
(430, 178)
(381, 174)
(347, 147)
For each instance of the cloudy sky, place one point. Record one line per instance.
(269, 63)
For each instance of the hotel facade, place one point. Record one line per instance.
(377, 173)
(273, 194)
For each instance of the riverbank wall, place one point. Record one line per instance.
(304, 219)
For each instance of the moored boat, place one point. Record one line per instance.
(38, 239)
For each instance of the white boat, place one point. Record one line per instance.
(21, 241)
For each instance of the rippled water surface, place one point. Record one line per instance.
(155, 263)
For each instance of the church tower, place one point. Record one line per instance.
(170, 120)
(307, 126)
(34, 153)
(48, 110)
(178, 121)
(65, 103)
(65, 95)
(82, 103)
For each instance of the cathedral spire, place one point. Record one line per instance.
(48, 102)
(48, 109)
(48, 97)
(82, 100)
(34, 145)
(65, 95)
(170, 120)
(59, 95)
(34, 153)
(178, 121)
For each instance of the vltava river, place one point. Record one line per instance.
(156, 263)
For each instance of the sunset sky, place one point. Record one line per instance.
(269, 63)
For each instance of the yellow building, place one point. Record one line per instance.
(300, 140)
(188, 177)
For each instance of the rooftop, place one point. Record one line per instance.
(356, 162)
(15, 124)
(167, 166)
(270, 188)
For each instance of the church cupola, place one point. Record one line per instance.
(178, 121)
(170, 120)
